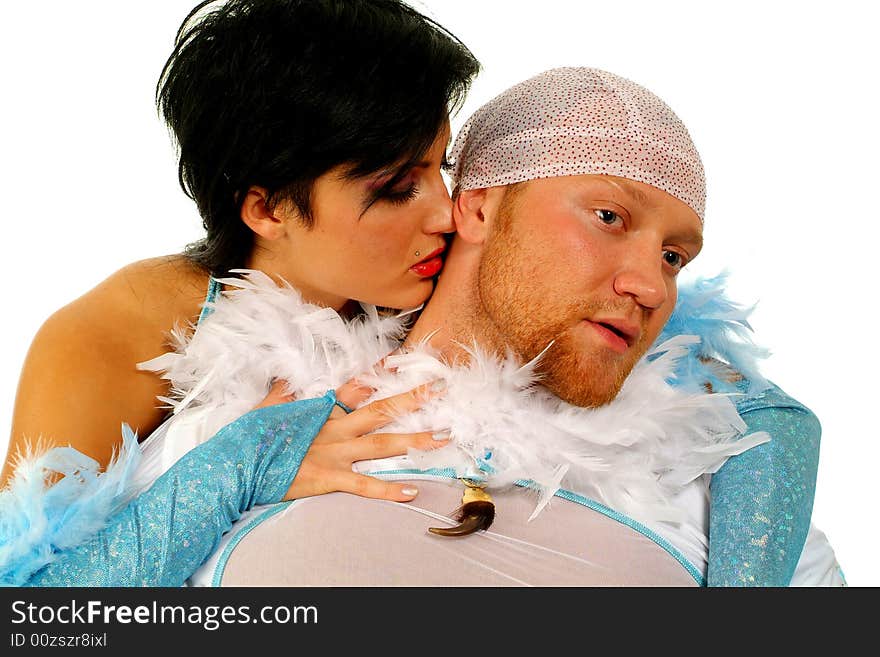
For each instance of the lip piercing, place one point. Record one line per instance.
(418, 253)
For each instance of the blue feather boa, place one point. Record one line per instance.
(726, 358)
(38, 520)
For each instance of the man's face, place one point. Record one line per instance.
(588, 263)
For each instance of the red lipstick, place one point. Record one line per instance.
(429, 266)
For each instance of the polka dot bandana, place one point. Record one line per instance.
(574, 121)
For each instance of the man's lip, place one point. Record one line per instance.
(628, 330)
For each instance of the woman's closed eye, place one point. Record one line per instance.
(398, 190)
(401, 192)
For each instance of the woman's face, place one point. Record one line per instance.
(377, 239)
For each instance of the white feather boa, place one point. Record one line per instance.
(256, 333)
(633, 454)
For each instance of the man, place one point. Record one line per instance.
(578, 198)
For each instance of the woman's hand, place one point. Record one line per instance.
(327, 466)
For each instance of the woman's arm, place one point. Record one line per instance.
(79, 382)
(762, 499)
(161, 537)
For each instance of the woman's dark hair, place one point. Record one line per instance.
(274, 93)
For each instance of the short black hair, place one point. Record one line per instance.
(274, 93)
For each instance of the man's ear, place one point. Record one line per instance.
(473, 212)
(259, 218)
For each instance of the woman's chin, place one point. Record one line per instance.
(412, 296)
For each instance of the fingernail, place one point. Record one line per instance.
(410, 491)
(441, 435)
(439, 385)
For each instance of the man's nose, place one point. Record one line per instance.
(641, 277)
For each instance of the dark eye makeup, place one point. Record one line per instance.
(400, 196)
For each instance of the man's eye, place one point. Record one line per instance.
(674, 260)
(607, 216)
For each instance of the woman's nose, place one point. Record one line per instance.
(439, 214)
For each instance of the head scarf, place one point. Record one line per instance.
(573, 121)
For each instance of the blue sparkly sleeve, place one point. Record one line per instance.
(161, 537)
(762, 499)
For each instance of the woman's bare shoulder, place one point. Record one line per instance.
(136, 305)
(79, 381)
(154, 289)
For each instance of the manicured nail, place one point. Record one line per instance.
(410, 491)
(439, 385)
(441, 435)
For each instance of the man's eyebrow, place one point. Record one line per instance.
(633, 191)
(689, 237)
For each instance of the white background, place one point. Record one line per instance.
(778, 96)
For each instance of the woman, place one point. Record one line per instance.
(313, 154)
(311, 137)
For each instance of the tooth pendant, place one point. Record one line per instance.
(477, 511)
